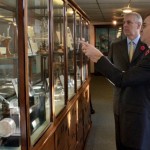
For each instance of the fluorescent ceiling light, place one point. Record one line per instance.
(127, 10)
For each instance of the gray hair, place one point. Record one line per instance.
(137, 16)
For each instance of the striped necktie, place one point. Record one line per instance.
(131, 50)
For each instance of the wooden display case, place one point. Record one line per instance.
(45, 80)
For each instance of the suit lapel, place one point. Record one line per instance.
(124, 50)
(137, 51)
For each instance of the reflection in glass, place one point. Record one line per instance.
(58, 56)
(70, 51)
(9, 105)
(38, 84)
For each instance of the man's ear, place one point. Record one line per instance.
(139, 25)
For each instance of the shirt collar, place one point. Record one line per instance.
(135, 40)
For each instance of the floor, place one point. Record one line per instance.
(102, 134)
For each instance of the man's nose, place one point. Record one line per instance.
(125, 24)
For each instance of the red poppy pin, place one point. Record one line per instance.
(142, 48)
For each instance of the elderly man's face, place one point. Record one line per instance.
(145, 32)
(131, 27)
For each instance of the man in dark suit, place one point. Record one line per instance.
(119, 55)
(134, 102)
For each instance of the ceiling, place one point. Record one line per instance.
(104, 11)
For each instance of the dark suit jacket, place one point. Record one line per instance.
(134, 105)
(118, 55)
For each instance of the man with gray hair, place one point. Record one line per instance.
(124, 56)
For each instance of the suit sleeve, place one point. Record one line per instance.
(138, 75)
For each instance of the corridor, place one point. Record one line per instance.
(102, 133)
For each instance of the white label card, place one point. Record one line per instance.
(3, 50)
(15, 84)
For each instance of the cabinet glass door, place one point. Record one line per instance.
(78, 50)
(70, 51)
(9, 104)
(58, 56)
(38, 49)
(86, 69)
(85, 59)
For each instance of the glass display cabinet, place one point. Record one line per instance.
(9, 101)
(38, 62)
(85, 37)
(43, 74)
(105, 35)
(78, 51)
(70, 51)
(58, 56)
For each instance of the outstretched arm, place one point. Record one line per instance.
(138, 75)
(91, 52)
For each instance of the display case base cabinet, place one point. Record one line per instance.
(80, 129)
(72, 117)
(50, 144)
(86, 112)
(84, 119)
(72, 130)
(61, 135)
